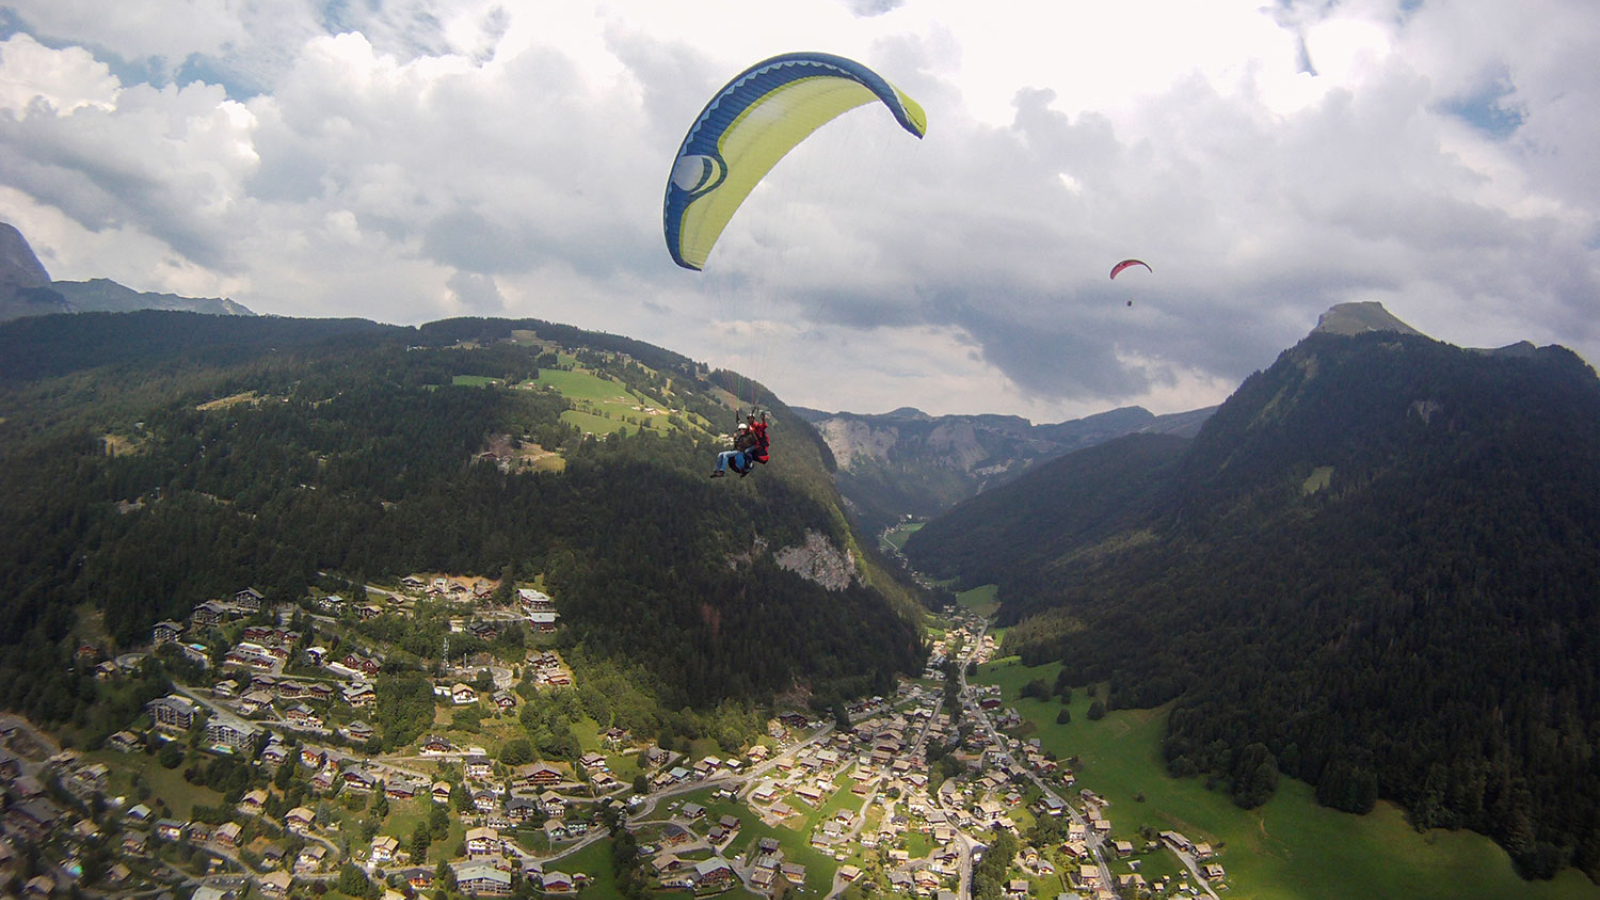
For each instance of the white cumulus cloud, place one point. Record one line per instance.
(406, 160)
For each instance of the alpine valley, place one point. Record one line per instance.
(296, 608)
(1375, 569)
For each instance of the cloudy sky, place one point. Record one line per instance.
(412, 160)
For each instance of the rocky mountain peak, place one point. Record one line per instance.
(19, 268)
(24, 283)
(1359, 318)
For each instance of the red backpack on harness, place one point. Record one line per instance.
(759, 451)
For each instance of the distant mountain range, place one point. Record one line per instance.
(1373, 569)
(907, 463)
(26, 289)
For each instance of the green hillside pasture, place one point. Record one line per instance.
(585, 386)
(980, 599)
(601, 396)
(593, 861)
(897, 536)
(820, 868)
(167, 785)
(1289, 849)
(589, 423)
(1320, 478)
(473, 381)
(404, 815)
(587, 731)
(916, 843)
(623, 765)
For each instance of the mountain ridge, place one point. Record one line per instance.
(907, 463)
(105, 295)
(1376, 545)
(27, 290)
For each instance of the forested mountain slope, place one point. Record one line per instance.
(150, 461)
(1066, 506)
(1376, 568)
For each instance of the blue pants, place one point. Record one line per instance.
(734, 459)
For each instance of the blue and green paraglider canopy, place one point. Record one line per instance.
(751, 124)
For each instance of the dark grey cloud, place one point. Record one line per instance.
(1044, 356)
(474, 244)
(63, 162)
(480, 295)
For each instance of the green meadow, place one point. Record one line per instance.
(980, 599)
(897, 536)
(405, 815)
(163, 785)
(604, 406)
(1289, 849)
(796, 843)
(577, 385)
(593, 861)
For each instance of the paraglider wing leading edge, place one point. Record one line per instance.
(1129, 263)
(749, 126)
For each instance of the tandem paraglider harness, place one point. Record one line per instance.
(751, 446)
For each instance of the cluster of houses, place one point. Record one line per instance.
(176, 713)
(878, 757)
(538, 609)
(32, 817)
(499, 804)
(965, 635)
(454, 589)
(546, 669)
(266, 656)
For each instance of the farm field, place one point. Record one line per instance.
(1289, 849)
(981, 600)
(897, 536)
(604, 406)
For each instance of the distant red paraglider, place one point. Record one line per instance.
(1127, 263)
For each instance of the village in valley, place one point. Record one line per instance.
(262, 772)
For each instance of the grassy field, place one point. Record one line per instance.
(980, 599)
(1289, 849)
(604, 406)
(165, 784)
(595, 862)
(598, 396)
(796, 844)
(587, 386)
(897, 536)
(590, 423)
(403, 818)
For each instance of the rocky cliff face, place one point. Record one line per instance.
(24, 283)
(855, 440)
(819, 562)
(908, 463)
(19, 268)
